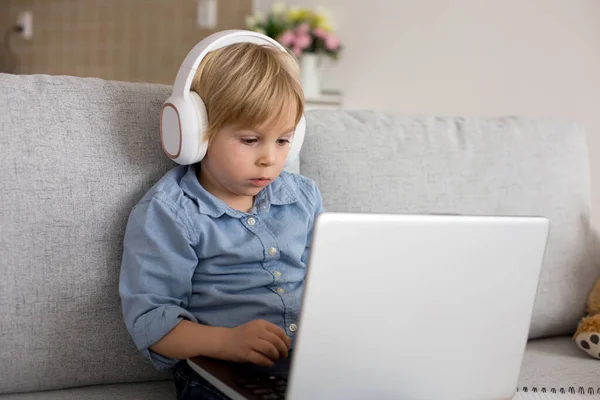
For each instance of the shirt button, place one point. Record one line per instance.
(293, 327)
(263, 205)
(277, 273)
(280, 290)
(272, 251)
(251, 221)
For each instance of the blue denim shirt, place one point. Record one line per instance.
(186, 254)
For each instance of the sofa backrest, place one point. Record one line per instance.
(367, 161)
(77, 154)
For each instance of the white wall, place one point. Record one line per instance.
(472, 57)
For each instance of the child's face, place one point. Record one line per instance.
(240, 162)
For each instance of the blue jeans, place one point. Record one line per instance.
(191, 386)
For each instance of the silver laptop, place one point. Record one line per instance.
(405, 307)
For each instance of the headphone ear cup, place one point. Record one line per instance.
(200, 109)
(297, 141)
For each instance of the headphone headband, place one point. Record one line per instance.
(187, 70)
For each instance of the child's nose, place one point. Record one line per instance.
(267, 157)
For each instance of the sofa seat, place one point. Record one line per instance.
(554, 363)
(557, 363)
(159, 390)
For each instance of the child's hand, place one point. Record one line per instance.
(259, 342)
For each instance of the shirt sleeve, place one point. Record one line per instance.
(156, 275)
(318, 209)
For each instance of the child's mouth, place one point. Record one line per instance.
(260, 181)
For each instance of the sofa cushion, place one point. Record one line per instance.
(558, 364)
(77, 154)
(161, 390)
(366, 161)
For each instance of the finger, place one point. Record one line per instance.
(279, 332)
(260, 359)
(266, 348)
(275, 340)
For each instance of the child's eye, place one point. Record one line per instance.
(249, 141)
(283, 142)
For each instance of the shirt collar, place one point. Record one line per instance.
(277, 193)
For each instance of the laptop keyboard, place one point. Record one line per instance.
(265, 387)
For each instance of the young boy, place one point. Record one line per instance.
(215, 253)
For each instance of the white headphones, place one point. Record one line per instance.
(183, 119)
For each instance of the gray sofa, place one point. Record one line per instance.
(77, 154)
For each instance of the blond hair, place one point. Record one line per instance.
(247, 85)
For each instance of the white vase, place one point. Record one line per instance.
(310, 75)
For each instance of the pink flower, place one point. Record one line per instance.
(303, 41)
(303, 28)
(287, 38)
(320, 33)
(332, 42)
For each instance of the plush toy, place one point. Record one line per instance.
(587, 336)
